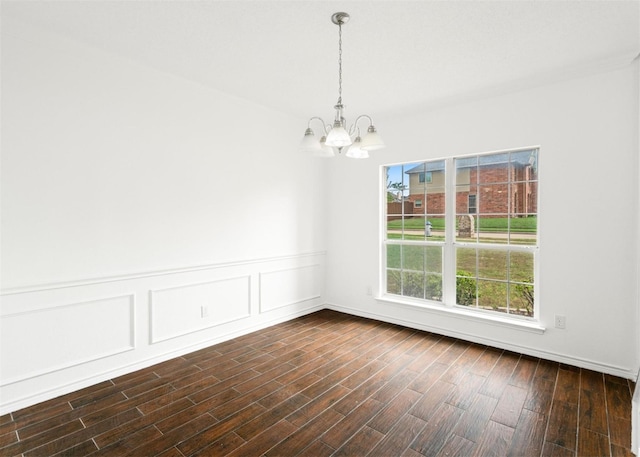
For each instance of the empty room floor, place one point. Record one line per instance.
(334, 384)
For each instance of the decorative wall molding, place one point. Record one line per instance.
(187, 308)
(106, 326)
(57, 338)
(273, 294)
(41, 287)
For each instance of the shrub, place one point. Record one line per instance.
(466, 292)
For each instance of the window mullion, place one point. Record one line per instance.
(449, 286)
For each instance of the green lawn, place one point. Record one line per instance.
(485, 224)
(481, 272)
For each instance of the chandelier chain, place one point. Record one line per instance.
(340, 63)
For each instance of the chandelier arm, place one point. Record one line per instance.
(325, 127)
(354, 126)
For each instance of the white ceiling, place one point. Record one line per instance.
(398, 55)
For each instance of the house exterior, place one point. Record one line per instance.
(496, 185)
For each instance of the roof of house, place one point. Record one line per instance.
(518, 158)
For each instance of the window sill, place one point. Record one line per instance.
(461, 313)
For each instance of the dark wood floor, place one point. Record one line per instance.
(333, 384)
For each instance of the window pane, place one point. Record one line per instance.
(521, 267)
(523, 230)
(433, 289)
(393, 256)
(434, 259)
(413, 284)
(466, 227)
(521, 300)
(466, 262)
(492, 264)
(466, 290)
(413, 258)
(492, 295)
(526, 162)
(492, 168)
(493, 199)
(394, 284)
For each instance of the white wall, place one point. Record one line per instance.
(125, 213)
(587, 132)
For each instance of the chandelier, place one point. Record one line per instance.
(337, 136)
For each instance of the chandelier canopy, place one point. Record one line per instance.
(336, 135)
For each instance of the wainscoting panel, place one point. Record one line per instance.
(275, 292)
(180, 310)
(60, 337)
(41, 341)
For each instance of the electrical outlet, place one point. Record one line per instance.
(561, 321)
(204, 311)
(369, 290)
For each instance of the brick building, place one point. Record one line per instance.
(497, 185)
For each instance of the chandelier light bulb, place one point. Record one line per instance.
(355, 151)
(338, 136)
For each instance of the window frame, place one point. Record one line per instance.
(450, 247)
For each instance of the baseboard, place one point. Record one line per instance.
(553, 356)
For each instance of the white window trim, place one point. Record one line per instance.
(448, 305)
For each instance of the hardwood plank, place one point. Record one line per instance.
(360, 443)
(304, 436)
(169, 439)
(475, 419)
(486, 362)
(459, 368)
(268, 438)
(592, 443)
(523, 374)
(84, 448)
(499, 377)
(270, 417)
(619, 431)
(463, 394)
(563, 425)
(242, 401)
(222, 446)
(553, 450)
(618, 399)
(567, 387)
(540, 395)
(510, 406)
(317, 449)
(394, 410)
(434, 435)
(399, 437)
(114, 434)
(528, 438)
(428, 377)
(313, 408)
(547, 370)
(431, 400)
(457, 446)
(496, 440)
(342, 431)
(216, 431)
(592, 381)
(593, 412)
(62, 443)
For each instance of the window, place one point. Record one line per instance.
(469, 239)
(472, 204)
(425, 177)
